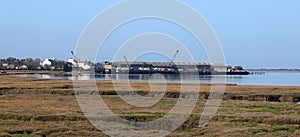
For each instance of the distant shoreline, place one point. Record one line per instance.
(56, 72)
(274, 70)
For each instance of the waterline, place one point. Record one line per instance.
(270, 78)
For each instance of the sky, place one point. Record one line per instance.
(253, 33)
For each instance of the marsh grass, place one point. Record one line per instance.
(49, 108)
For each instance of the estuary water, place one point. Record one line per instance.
(269, 78)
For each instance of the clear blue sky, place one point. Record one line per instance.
(253, 33)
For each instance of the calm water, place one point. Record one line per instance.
(270, 78)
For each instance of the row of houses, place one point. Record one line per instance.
(11, 63)
(31, 64)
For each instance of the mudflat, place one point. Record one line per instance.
(47, 107)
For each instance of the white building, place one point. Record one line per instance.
(46, 62)
(79, 63)
(5, 65)
(23, 67)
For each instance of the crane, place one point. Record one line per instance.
(76, 60)
(74, 57)
(126, 62)
(174, 56)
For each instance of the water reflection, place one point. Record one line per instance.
(272, 78)
(156, 77)
(46, 76)
(132, 77)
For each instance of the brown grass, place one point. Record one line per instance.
(42, 107)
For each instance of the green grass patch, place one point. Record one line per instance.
(26, 135)
(288, 128)
(273, 111)
(240, 124)
(185, 131)
(144, 113)
(141, 118)
(19, 132)
(222, 117)
(258, 130)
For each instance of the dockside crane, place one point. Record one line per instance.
(74, 57)
(174, 56)
(76, 60)
(126, 62)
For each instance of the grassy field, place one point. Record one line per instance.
(44, 107)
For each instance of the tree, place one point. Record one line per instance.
(31, 64)
(11, 60)
(29, 60)
(37, 60)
